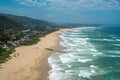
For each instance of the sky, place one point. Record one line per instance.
(65, 11)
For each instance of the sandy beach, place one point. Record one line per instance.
(30, 62)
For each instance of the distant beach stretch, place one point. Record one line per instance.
(30, 62)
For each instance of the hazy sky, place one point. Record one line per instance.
(66, 11)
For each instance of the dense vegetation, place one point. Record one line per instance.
(27, 22)
(14, 30)
(5, 55)
(6, 23)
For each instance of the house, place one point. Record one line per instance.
(12, 43)
(24, 39)
(1, 47)
(16, 43)
(27, 30)
(4, 47)
(35, 32)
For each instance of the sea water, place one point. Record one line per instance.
(92, 53)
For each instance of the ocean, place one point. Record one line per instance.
(92, 53)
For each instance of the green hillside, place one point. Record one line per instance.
(16, 31)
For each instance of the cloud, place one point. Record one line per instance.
(73, 4)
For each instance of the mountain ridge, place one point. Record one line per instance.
(27, 22)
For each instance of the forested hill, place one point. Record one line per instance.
(16, 31)
(8, 24)
(21, 22)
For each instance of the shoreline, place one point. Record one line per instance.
(32, 61)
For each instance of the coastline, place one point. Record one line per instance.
(31, 63)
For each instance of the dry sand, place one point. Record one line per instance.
(31, 63)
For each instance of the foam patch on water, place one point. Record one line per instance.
(117, 39)
(75, 56)
(94, 50)
(108, 40)
(112, 55)
(55, 75)
(62, 44)
(114, 52)
(84, 60)
(66, 58)
(93, 66)
(117, 45)
(85, 73)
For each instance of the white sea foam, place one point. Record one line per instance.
(66, 58)
(117, 39)
(62, 44)
(71, 44)
(94, 55)
(68, 66)
(93, 71)
(114, 52)
(84, 60)
(116, 44)
(74, 56)
(55, 75)
(71, 71)
(93, 66)
(104, 39)
(79, 50)
(94, 50)
(112, 56)
(88, 72)
(85, 73)
(108, 40)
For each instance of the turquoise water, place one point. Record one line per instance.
(91, 54)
